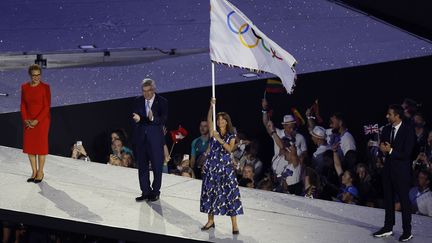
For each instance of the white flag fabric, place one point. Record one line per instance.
(235, 41)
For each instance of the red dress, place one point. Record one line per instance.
(35, 105)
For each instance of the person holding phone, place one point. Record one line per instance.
(79, 152)
(35, 114)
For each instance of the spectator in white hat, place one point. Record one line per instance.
(281, 137)
(337, 135)
(318, 136)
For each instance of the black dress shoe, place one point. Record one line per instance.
(153, 198)
(31, 179)
(208, 227)
(383, 232)
(405, 237)
(141, 198)
(236, 232)
(38, 180)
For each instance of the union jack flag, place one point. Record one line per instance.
(371, 129)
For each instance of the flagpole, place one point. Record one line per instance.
(213, 95)
(172, 147)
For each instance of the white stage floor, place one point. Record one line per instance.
(96, 195)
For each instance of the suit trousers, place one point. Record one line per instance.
(150, 152)
(396, 182)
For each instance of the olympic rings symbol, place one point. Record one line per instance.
(242, 30)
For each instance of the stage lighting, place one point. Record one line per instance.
(85, 47)
(250, 75)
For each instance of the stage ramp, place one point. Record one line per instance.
(99, 199)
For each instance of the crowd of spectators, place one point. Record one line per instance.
(334, 169)
(330, 168)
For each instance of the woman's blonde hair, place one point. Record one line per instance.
(34, 67)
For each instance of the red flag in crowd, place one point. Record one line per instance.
(179, 134)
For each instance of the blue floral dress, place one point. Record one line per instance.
(220, 194)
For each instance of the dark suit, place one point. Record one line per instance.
(149, 140)
(397, 174)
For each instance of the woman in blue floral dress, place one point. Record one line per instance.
(220, 194)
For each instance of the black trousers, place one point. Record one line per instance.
(397, 182)
(150, 152)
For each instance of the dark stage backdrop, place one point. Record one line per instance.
(362, 93)
(413, 16)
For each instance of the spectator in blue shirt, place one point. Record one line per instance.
(199, 148)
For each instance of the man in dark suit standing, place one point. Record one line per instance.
(397, 144)
(150, 115)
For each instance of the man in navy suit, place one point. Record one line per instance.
(397, 144)
(150, 115)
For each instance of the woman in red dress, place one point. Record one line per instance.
(35, 113)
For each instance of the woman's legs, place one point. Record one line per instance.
(19, 235)
(32, 159)
(41, 160)
(234, 223)
(210, 221)
(6, 234)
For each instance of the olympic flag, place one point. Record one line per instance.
(236, 41)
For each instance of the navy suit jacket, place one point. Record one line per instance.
(403, 144)
(151, 131)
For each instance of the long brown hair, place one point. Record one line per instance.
(227, 118)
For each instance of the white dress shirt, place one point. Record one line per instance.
(396, 129)
(150, 103)
(394, 135)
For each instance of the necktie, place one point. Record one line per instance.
(392, 134)
(147, 105)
